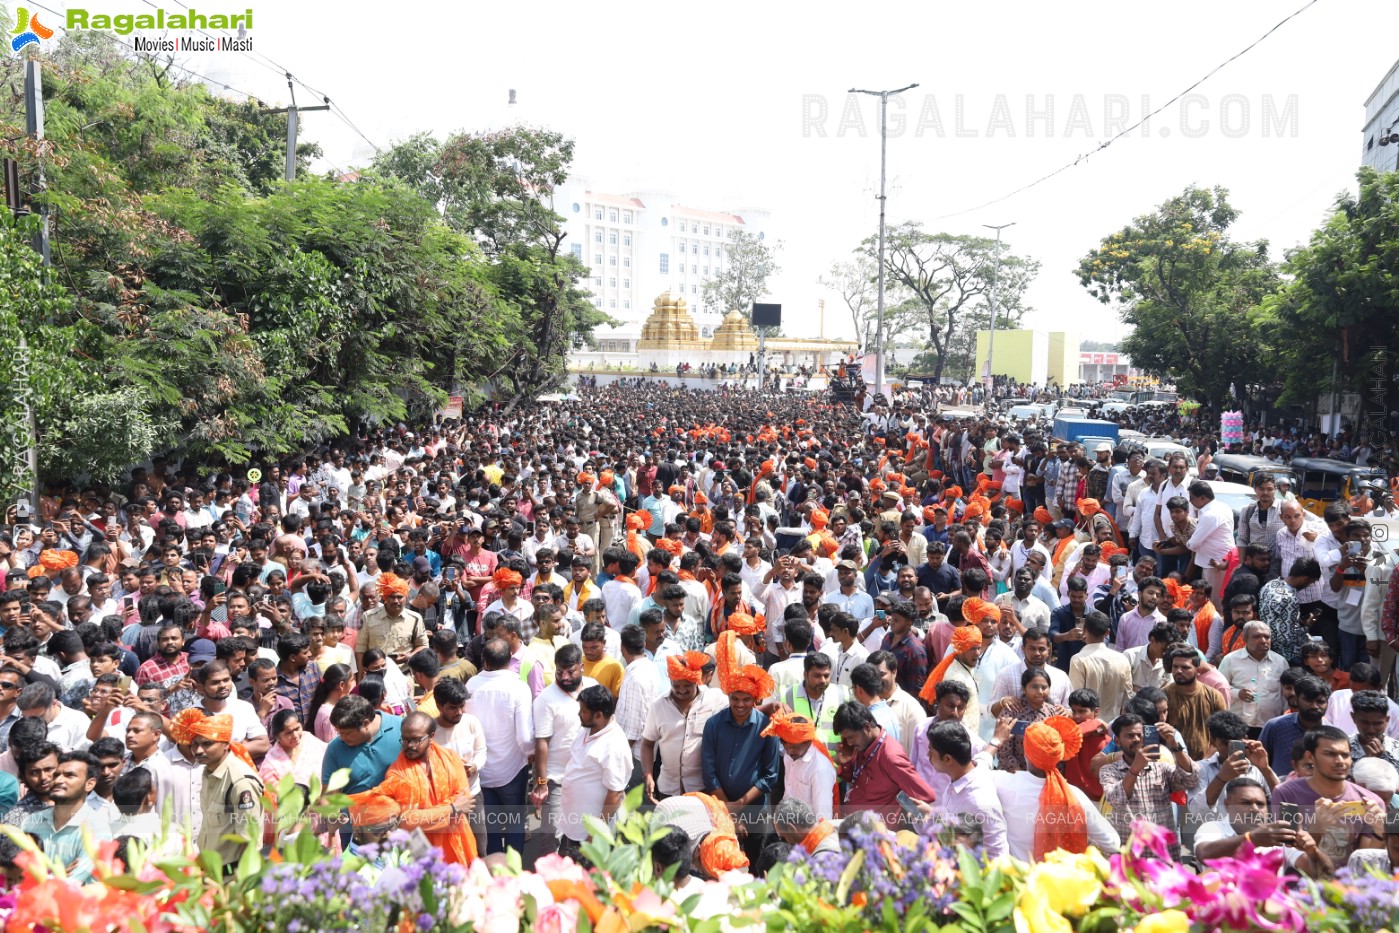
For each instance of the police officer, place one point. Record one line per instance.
(231, 795)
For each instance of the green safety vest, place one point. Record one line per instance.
(825, 722)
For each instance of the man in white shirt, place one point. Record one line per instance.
(1038, 651)
(1253, 673)
(641, 688)
(1213, 539)
(781, 590)
(503, 704)
(789, 673)
(843, 648)
(1142, 529)
(556, 725)
(971, 790)
(1029, 608)
(1019, 793)
(599, 769)
(461, 732)
(810, 774)
(675, 727)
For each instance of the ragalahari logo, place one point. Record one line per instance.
(28, 30)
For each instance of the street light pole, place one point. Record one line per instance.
(990, 373)
(883, 158)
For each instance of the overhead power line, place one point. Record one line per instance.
(1103, 145)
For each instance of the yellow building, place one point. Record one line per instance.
(1031, 357)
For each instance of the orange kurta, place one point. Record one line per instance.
(425, 790)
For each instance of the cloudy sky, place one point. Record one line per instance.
(735, 104)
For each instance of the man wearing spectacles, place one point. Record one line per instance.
(11, 680)
(430, 785)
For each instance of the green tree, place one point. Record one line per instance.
(943, 281)
(748, 264)
(1343, 299)
(498, 189)
(1191, 295)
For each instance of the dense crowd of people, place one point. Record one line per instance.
(768, 612)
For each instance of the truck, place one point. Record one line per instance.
(1086, 431)
(1127, 397)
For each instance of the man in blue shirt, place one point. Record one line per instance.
(740, 766)
(1281, 732)
(940, 577)
(367, 742)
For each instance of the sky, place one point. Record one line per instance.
(743, 104)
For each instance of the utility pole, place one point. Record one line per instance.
(883, 156)
(292, 126)
(990, 374)
(34, 128)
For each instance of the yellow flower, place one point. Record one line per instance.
(1034, 915)
(1070, 883)
(1167, 921)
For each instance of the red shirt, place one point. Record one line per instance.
(875, 778)
(1076, 769)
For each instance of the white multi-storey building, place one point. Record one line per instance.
(643, 243)
(1381, 113)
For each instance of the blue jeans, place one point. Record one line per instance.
(1352, 650)
(505, 814)
(1171, 563)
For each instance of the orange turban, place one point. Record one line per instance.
(936, 474)
(52, 559)
(741, 623)
(767, 468)
(929, 515)
(1016, 505)
(827, 545)
(974, 509)
(720, 853)
(505, 578)
(701, 499)
(671, 546)
(1109, 549)
(606, 478)
(964, 639)
(1042, 515)
(635, 522)
(820, 518)
(790, 728)
(1089, 507)
(1061, 823)
(688, 666)
(372, 808)
(750, 679)
(586, 478)
(216, 729)
(391, 584)
(896, 478)
(975, 609)
(1176, 593)
(809, 462)
(182, 726)
(952, 492)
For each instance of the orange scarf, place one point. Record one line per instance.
(817, 835)
(1204, 621)
(1061, 822)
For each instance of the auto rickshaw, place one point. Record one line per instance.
(1245, 468)
(1321, 482)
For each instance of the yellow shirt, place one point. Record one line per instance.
(607, 672)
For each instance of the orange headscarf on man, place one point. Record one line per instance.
(1061, 823)
(220, 729)
(794, 730)
(964, 639)
(688, 666)
(391, 584)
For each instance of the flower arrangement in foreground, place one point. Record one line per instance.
(880, 881)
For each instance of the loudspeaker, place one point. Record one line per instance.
(767, 315)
